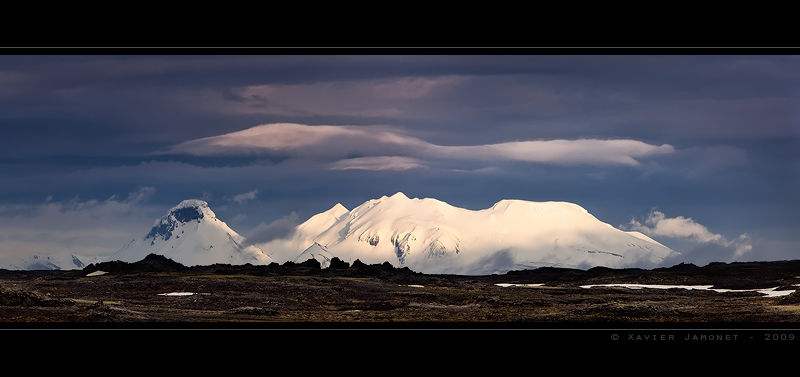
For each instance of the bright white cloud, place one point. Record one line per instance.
(300, 140)
(338, 142)
(676, 227)
(658, 225)
(241, 198)
(586, 151)
(279, 137)
(377, 163)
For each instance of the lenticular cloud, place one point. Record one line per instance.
(565, 152)
(377, 163)
(382, 148)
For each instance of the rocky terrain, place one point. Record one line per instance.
(158, 290)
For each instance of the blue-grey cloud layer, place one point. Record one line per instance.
(713, 139)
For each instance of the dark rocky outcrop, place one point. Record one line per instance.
(311, 263)
(151, 263)
(337, 263)
(737, 275)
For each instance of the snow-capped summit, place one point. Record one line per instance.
(325, 219)
(431, 236)
(191, 234)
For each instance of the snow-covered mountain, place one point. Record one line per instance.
(56, 261)
(431, 236)
(191, 234)
(318, 252)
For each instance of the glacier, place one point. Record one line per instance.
(431, 236)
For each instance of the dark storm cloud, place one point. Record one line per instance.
(150, 100)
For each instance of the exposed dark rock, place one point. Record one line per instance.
(312, 263)
(373, 241)
(150, 263)
(187, 214)
(337, 263)
(739, 275)
(77, 262)
(358, 264)
(360, 268)
(165, 228)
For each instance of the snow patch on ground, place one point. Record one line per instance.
(771, 292)
(504, 285)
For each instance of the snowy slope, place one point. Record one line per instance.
(431, 236)
(318, 252)
(56, 261)
(191, 234)
(289, 250)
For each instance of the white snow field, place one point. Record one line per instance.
(431, 236)
(191, 234)
(771, 292)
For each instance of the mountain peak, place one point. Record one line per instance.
(185, 212)
(196, 203)
(398, 195)
(431, 236)
(327, 218)
(338, 209)
(191, 234)
(524, 206)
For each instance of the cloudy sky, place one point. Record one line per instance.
(702, 153)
